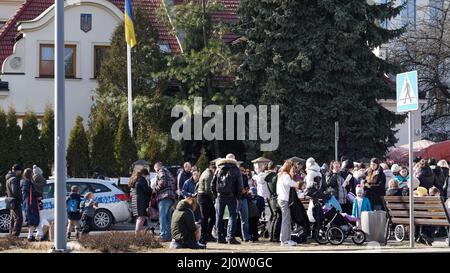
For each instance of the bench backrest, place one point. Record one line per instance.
(428, 210)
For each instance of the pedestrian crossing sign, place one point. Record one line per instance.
(407, 92)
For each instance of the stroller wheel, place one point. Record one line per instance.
(359, 237)
(399, 233)
(320, 236)
(335, 236)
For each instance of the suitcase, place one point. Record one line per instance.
(373, 223)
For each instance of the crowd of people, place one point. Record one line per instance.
(190, 206)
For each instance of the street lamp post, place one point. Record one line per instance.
(60, 136)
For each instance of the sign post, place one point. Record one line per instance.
(408, 101)
(336, 140)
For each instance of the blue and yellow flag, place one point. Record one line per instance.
(129, 27)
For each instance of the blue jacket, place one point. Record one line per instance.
(188, 188)
(364, 207)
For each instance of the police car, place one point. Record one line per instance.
(113, 205)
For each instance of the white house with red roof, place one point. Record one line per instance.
(27, 57)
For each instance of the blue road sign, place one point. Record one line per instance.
(407, 92)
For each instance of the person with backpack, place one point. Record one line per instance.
(73, 203)
(243, 209)
(227, 187)
(165, 189)
(14, 199)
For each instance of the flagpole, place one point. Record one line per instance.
(130, 93)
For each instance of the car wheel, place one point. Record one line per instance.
(5, 221)
(103, 219)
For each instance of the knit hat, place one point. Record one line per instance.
(443, 163)
(37, 170)
(395, 168)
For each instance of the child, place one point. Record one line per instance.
(360, 204)
(73, 212)
(433, 191)
(393, 189)
(421, 192)
(88, 213)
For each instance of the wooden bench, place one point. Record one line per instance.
(428, 211)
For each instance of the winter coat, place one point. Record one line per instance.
(188, 188)
(165, 185)
(394, 192)
(140, 197)
(261, 185)
(402, 181)
(298, 212)
(426, 177)
(183, 224)
(30, 202)
(365, 206)
(181, 178)
(375, 186)
(389, 175)
(204, 183)
(227, 180)
(39, 182)
(271, 180)
(13, 189)
(445, 171)
(439, 178)
(74, 215)
(334, 187)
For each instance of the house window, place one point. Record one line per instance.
(408, 13)
(47, 61)
(100, 52)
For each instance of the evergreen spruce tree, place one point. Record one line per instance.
(47, 140)
(125, 151)
(12, 141)
(78, 151)
(102, 149)
(4, 164)
(315, 60)
(30, 143)
(202, 162)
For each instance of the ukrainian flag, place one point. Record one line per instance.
(129, 28)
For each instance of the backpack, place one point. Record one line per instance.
(72, 205)
(225, 181)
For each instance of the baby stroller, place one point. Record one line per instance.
(335, 228)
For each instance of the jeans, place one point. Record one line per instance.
(231, 203)
(285, 234)
(16, 220)
(208, 214)
(243, 213)
(165, 218)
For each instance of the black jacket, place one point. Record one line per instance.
(140, 197)
(445, 171)
(375, 186)
(332, 184)
(74, 215)
(439, 178)
(426, 177)
(227, 180)
(181, 178)
(298, 212)
(394, 192)
(13, 189)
